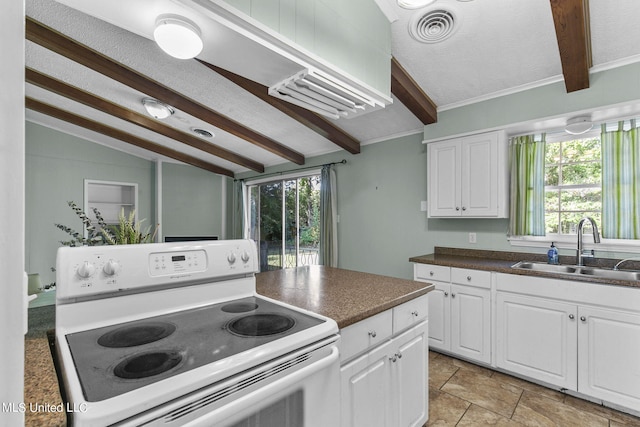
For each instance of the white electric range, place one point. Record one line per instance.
(174, 334)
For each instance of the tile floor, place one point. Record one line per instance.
(464, 394)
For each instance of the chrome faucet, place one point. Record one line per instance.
(596, 239)
(617, 266)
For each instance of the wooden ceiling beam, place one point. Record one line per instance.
(75, 51)
(571, 19)
(308, 118)
(94, 126)
(411, 94)
(56, 86)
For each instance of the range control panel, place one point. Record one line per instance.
(94, 270)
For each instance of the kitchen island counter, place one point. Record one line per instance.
(343, 295)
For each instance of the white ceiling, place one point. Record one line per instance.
(499, 46)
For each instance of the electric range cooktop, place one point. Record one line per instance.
(116, 359)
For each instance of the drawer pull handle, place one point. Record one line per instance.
(372, 334)
(453, 295)
(446, 294)
(457, 208)
(399, 354)
(415, 313)
(584, 319)
(394, 358)
(469, 278)
(571, 316)
(431, 273)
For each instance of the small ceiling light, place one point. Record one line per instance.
(578, 125)
(178, 37)
(157, 109)
(414, 4)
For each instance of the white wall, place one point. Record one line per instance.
(12, 209)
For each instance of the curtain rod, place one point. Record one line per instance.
(341, 162)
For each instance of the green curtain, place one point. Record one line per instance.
(620, 186)
(238, 219)
(526, 216)
(328, 218)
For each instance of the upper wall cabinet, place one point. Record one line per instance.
(468, 177)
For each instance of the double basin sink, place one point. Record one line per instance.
(575, 270)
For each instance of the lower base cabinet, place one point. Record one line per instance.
(388, 385)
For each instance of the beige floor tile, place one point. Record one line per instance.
(445, 409)
(612, 414)
(529, 386)
(484, 391)
(443, 358)
(477, 416)
(535, 410)
(441, 369)
(613, 423)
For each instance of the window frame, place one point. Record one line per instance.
(569, 241)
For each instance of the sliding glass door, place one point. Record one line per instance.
(284, 220)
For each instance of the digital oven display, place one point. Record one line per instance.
(176, 258)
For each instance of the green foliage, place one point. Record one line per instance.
(126, 232)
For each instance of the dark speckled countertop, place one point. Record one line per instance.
(501, 262)
(343, 295)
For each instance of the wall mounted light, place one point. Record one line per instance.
(157, 109)
(578, 125)
(414, 4)
(178, 37)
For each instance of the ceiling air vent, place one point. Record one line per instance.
(322, 94)
(433, 26)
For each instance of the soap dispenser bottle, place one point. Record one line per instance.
(552, 254)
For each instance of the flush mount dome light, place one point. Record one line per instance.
(578, 125)
(157, 109)
(178, 37)
(414, 4)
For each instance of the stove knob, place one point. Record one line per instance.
(245, 257)
(231, 258)
(86, 270)
(111, 267)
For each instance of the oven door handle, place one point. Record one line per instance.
(256, 399)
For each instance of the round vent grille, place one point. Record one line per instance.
(202, 132)
(433, 26)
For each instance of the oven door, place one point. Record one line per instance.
(299, 389)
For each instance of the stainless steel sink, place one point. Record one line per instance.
(574, 270)
(550, 268)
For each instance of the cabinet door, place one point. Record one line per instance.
(440, 316)
(479, 175)
(471, 322)
(444, 178)
(537, 338)
(366, 390)
(409, 374)
(609, 355)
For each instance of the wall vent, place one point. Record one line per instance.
(433, 26)
(322, 94)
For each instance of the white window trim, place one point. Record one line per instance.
(569, 241)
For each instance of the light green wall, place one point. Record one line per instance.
(611, 87)
(58, 163)
(56, 166)
(192, 201)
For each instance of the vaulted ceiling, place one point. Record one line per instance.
(87, 73)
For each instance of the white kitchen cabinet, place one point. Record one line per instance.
(387, 386)
(459, 311)
(579, 336)
(384, 370)
(468, 176)
(537, 337)
(608, 355)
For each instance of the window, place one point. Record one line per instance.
(284, 219)
(573, 171)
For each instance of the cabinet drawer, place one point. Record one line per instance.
(428, 272)
(464, 276)
(367, 333)
(410, 313)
